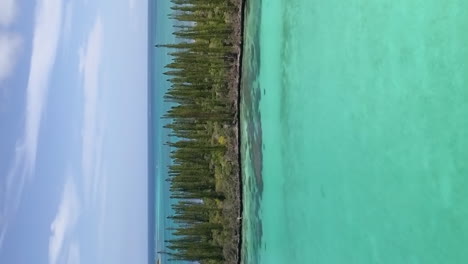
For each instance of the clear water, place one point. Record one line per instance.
(160, 32)
(355, 131)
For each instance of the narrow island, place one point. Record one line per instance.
(204, 122)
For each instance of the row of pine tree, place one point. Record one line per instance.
(200, 75)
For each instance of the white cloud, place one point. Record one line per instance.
(7, 12)
(45, 42)
(63, 225)
(44, 48)
(9, 47)
(94, 174)
(63, 246)
(92, 132)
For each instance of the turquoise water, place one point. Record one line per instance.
(160, 32)
(355, 131)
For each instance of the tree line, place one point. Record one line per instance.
(201, 112)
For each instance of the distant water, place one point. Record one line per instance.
(355, 131)
(160, 32)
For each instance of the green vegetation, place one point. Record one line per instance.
(204, 176)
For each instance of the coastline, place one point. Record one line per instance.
(205, 123)
(239, 38)
(235, 85)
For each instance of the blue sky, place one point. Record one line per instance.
(73, 131)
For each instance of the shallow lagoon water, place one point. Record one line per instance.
(355, 131)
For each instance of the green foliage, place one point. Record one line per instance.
(201, 117)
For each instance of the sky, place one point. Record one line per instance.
(73, 131)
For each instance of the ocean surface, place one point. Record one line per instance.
(160, 32)
(354, 122)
